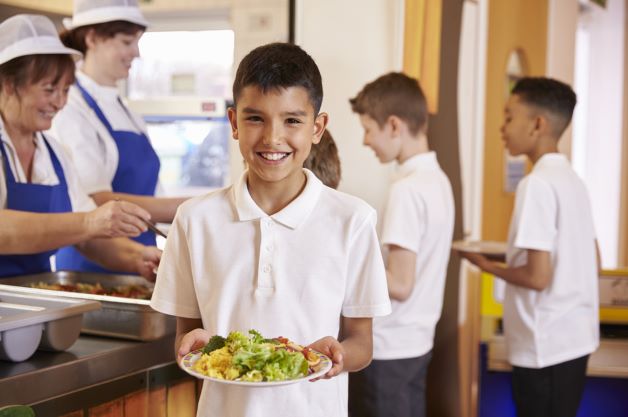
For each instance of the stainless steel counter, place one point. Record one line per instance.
(90, 361)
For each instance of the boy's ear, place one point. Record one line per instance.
(395, 124)
(540, 124)
(320, 124)
(231, 114)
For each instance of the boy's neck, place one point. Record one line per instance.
(272, 197)
(544, 146)
(412, 146)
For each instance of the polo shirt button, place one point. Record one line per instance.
(269, 248)
(266, 268)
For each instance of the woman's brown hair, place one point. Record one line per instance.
(75, 38)
(30, 69)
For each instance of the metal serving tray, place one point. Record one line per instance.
(29, 321)
(121, 317)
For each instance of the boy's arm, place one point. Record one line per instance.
(400, 272)
(354, 351)
(190, 336)
(536, 274)
(357, 342)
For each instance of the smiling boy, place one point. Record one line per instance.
(278, 251)
(551, 321)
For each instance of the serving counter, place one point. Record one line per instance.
(99, 373)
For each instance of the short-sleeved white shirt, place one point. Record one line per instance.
(291, 274)
(553, 214)
(43, 170)
(419, 216)
(93, 149)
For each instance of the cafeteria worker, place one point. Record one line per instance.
(42, 205)
(109, 144)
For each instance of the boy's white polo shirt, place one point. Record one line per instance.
(553, 214)
(419, 217)
(291, 274)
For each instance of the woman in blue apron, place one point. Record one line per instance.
(109, 143)
(42, 204)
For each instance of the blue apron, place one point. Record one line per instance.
(137, 173)
(37, 198)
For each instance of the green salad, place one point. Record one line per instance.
(253, 358)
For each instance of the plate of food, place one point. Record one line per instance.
(490, 249)
(255, 361)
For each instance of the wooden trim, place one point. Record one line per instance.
(413, 37)
(421, 46)
(622, 252)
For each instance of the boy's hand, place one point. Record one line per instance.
(193, 340)
(475, 258)
(333, 349)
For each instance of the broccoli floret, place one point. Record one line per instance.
(215, 342)
(256, 337)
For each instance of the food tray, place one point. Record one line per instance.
(29, 321)
(491, 249)
(121, 317)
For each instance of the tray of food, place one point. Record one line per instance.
(255, 361)
(125, 301)
(30, 321)
(491, 249)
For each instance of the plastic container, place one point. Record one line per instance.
(29, 321)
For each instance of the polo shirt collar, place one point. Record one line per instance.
(550, 159)
(292, 215)
(422, 162)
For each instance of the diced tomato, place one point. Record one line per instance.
(305, 351)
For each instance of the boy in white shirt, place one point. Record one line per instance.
(278, 251)
(551, 320)
(416, 232)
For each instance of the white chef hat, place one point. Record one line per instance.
(91, 12)
(29, 34)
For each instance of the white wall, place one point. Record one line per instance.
(471, 109)
(598, 118)
(353, 42)
(561, 50)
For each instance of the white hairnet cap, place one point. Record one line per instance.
(29, 34)
(90, 12)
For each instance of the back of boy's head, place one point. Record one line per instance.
(277, 66)
(393, 94)
(550, 96)
(324, 161)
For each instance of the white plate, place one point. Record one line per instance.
(484, 247)
(188, 361)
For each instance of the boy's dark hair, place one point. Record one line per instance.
(75, 38)
(550, 95)
(393, 94)
(324, 161)
(277, 66)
